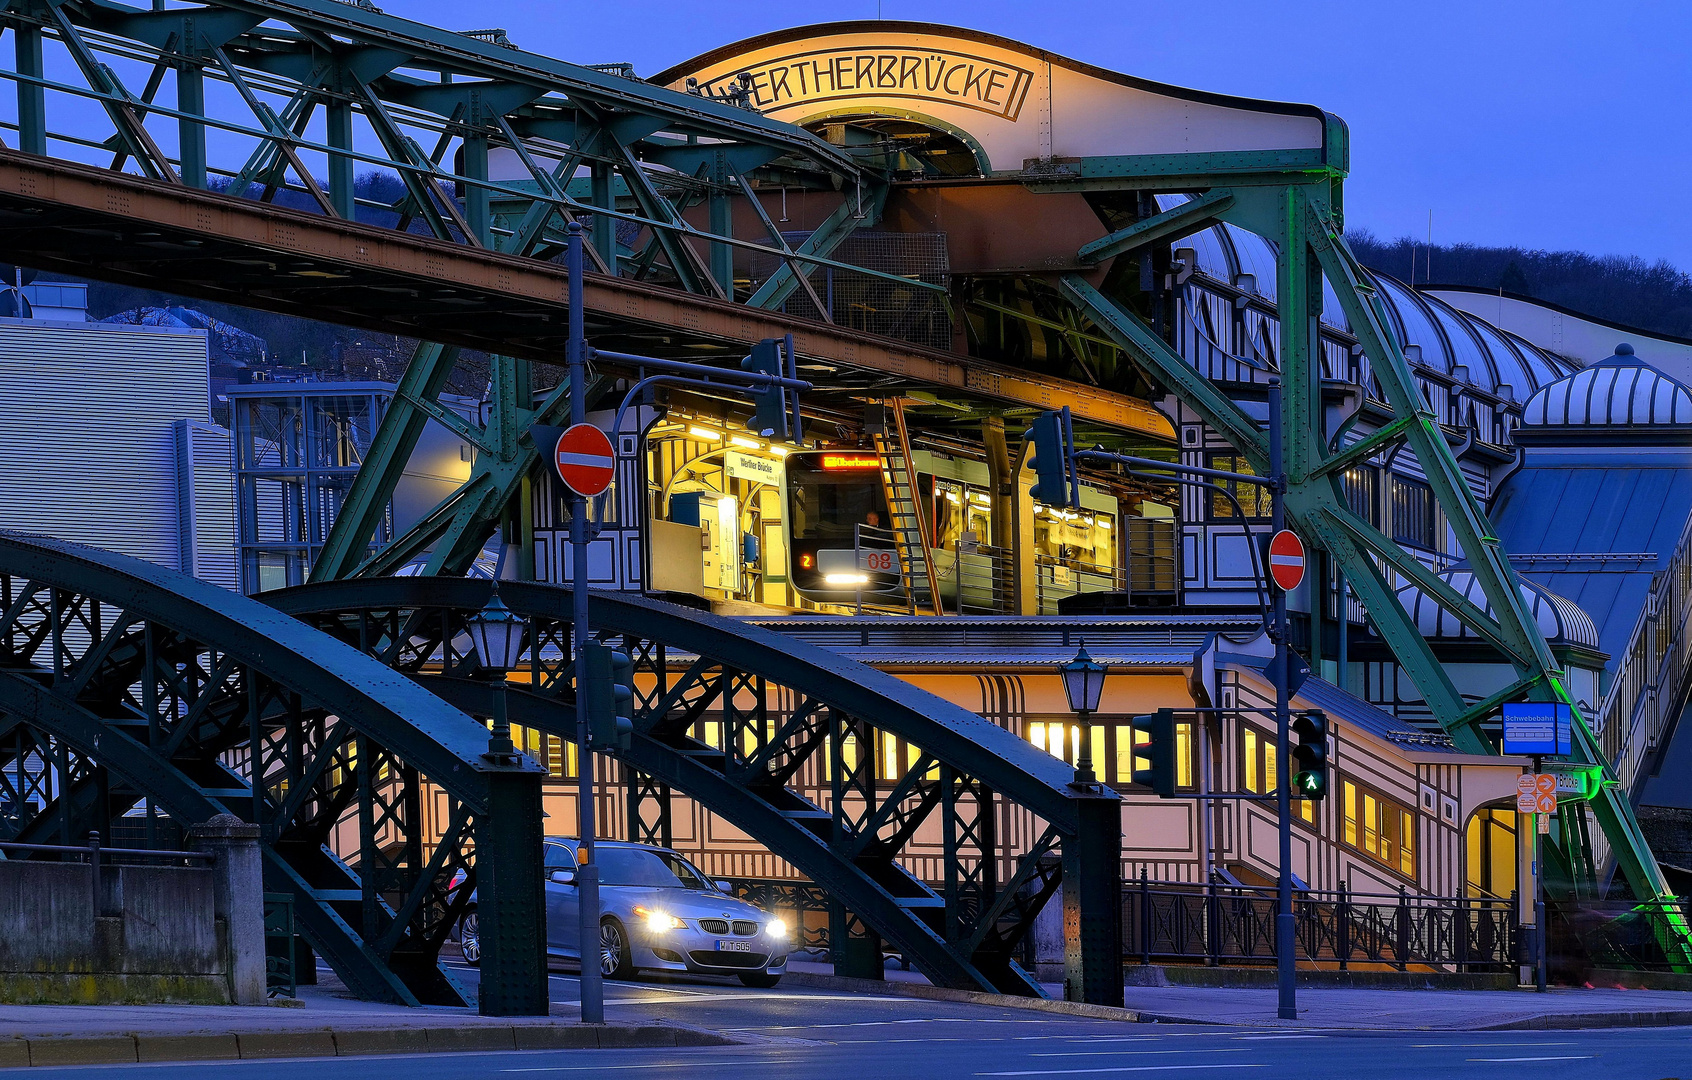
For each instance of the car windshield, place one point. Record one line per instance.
(651, 869)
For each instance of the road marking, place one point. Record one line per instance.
(1484, 1045)
(1098, 1053)
(653, 1065)
(1265, 1038)
(1137, 1038)
(1565, 1057)
(1123, 1069)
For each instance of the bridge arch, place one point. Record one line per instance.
(690, 664)
(123, 683)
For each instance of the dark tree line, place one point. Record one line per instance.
(1617, 288)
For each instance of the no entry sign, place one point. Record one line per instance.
(585, 460)
(1286, 559)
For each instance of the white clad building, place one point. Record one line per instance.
(106, 438)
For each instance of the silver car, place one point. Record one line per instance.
(658, 912)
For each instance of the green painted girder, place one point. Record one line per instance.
(455, 531)
(1301, 222)
(828, 236)
(1184, 220)
(425, 46)
(1140, 341)
(366, 505)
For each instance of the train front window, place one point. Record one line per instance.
(829, 502)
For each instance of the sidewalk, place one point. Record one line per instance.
(1349, 1008)
(322, 1024)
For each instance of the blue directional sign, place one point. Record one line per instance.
(1538, 728)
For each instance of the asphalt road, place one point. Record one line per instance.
(821, 1035)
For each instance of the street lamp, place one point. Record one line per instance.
(1083, 682)
(497, 634)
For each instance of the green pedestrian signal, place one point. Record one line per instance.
(1310, 756)
(1154, 744)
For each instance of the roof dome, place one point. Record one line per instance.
(1619, 391)
(1559, 619)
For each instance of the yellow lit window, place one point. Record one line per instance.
(1380, 827)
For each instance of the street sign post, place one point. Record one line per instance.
(585, 460)
(1538, 728)
(1287, 559)
(1536, 793)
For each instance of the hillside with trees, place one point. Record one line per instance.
(1616, 288)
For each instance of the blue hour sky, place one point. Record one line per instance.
(1553, 124)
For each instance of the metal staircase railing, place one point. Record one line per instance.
(1650, 686)
(910, 530)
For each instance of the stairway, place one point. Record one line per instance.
(910, 530)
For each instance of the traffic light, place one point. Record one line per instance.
(769, 409)
(1158, 751)
(1054, 459)
(606, 691)
(1310, 756)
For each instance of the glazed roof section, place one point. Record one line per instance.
(1597, 531)
(1617, 391)
(1461, 346)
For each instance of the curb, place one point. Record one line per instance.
(1590, 1021)
(1540, 1022)
(974, 997)
(142, 1047)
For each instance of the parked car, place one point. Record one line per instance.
(658, 912)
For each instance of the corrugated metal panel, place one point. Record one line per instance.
(85, 431)
(206, 503)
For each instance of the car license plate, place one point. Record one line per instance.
(733, 946)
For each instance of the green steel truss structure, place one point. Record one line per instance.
(485, 146)
(1302, 215)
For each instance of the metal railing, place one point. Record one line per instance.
(1056, 578)
(976, 578)
(1218, 924)
(1615, 934)
(1649, 686)
(802, 903)
(1226, 925)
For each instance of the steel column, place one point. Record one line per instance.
(511, 898)
(32, 95)
(1092, 905)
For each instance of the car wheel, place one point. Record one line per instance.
(470, 939)
(615, 960)
(763, 980)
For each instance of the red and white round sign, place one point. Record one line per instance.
(1286, 559)
(585, 460)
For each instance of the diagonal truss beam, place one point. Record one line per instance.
(1173, 224)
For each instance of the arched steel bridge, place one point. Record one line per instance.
(784, 706)
(123, 685)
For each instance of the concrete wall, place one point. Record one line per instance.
(155, 938)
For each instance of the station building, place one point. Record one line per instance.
(899, 528)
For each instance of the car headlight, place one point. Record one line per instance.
(659, 922)
(776, 928)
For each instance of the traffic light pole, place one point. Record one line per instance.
(587, 869)
(1285, 928)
